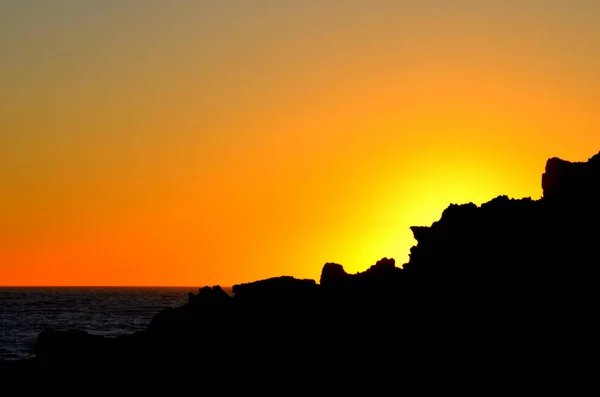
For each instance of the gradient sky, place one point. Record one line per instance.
(147, 142)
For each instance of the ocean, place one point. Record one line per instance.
(108, 311)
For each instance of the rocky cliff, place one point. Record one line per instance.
(510, 280)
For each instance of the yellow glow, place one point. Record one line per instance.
(198, 145)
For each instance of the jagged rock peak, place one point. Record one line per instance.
(571, 179)
(207, 294)
(332, 272)
(384, 264)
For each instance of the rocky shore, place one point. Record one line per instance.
(511, 281)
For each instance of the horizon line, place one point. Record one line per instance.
(111, 286)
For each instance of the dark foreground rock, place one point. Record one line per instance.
(503, 292)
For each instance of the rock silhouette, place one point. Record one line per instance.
(512, 279)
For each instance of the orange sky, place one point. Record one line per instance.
(197, 143)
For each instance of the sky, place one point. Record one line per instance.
(192, 143)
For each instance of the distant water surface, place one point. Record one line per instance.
(108, 311)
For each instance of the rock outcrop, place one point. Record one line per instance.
(286, 288)
(529, 246)
(510, 280)
(578, 180)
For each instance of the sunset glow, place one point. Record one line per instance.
(198, 143)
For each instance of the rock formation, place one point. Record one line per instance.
(512, 279)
